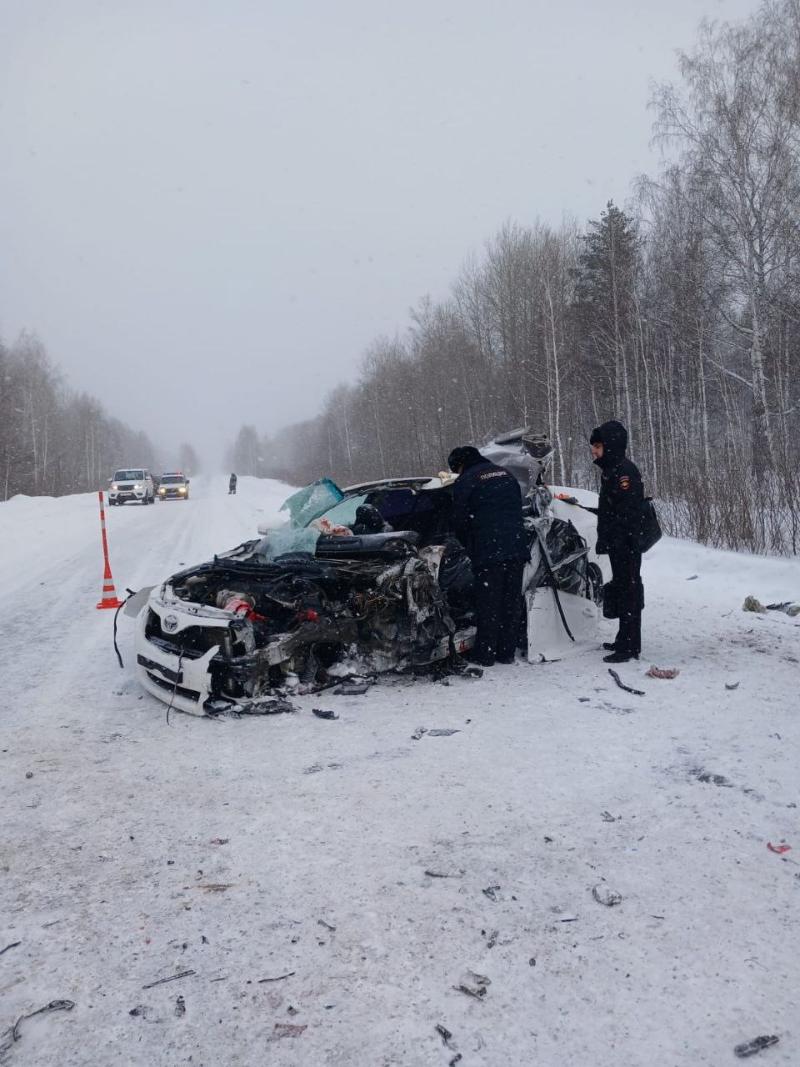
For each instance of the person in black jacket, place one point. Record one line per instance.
(619, 520)
(232, 484)
(487, 513)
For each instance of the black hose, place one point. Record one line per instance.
(175, 685)
(130, 592)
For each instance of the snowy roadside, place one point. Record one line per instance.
(379, 873)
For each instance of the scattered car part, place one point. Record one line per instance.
(750, 1048)
(10, 1036)
(663, 672)
(603, 895)
(621, 684)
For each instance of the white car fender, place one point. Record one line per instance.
(135, 603)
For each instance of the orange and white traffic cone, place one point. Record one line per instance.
(109, 597)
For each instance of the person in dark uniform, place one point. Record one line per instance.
(232, 485)
(487, 513)
(619, 521)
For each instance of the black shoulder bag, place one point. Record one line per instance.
(650, 528)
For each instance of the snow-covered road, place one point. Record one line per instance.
(379, 872)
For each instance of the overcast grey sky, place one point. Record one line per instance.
(209, 209)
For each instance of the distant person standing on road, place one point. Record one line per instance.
(232, 484)
(619, 523)
(487, 514)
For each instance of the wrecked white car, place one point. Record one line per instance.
(361, 581)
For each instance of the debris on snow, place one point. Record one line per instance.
(352, 689)
(321, 922)
(444, 1034)
(320, 714)
(663, 672)
(477, 990)
(491, 892)
(621, 684)
(442, 733)
(788, 607)
(287, 1030)
(13, 944)
(750, 1048)
(180, 1007)
(10, 1036)
(169, 978)
(277, 978)
(710, 779)
(140, 1011)
(603, 895)
(751, 604)
(273, 705)
(606, 816)
(420, 730)
(219, 841)
(778, 849)
(730, 686)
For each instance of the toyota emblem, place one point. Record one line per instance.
(170, 623)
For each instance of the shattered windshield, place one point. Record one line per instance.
(341, 514)
(308, 504)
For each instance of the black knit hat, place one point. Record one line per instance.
(463, 456)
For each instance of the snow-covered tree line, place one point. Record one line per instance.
(52, 440)
(680, 316)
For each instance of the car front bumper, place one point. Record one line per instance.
(122, 496)
(195, 674)
(182, 679)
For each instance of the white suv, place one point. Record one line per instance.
(132, 483)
